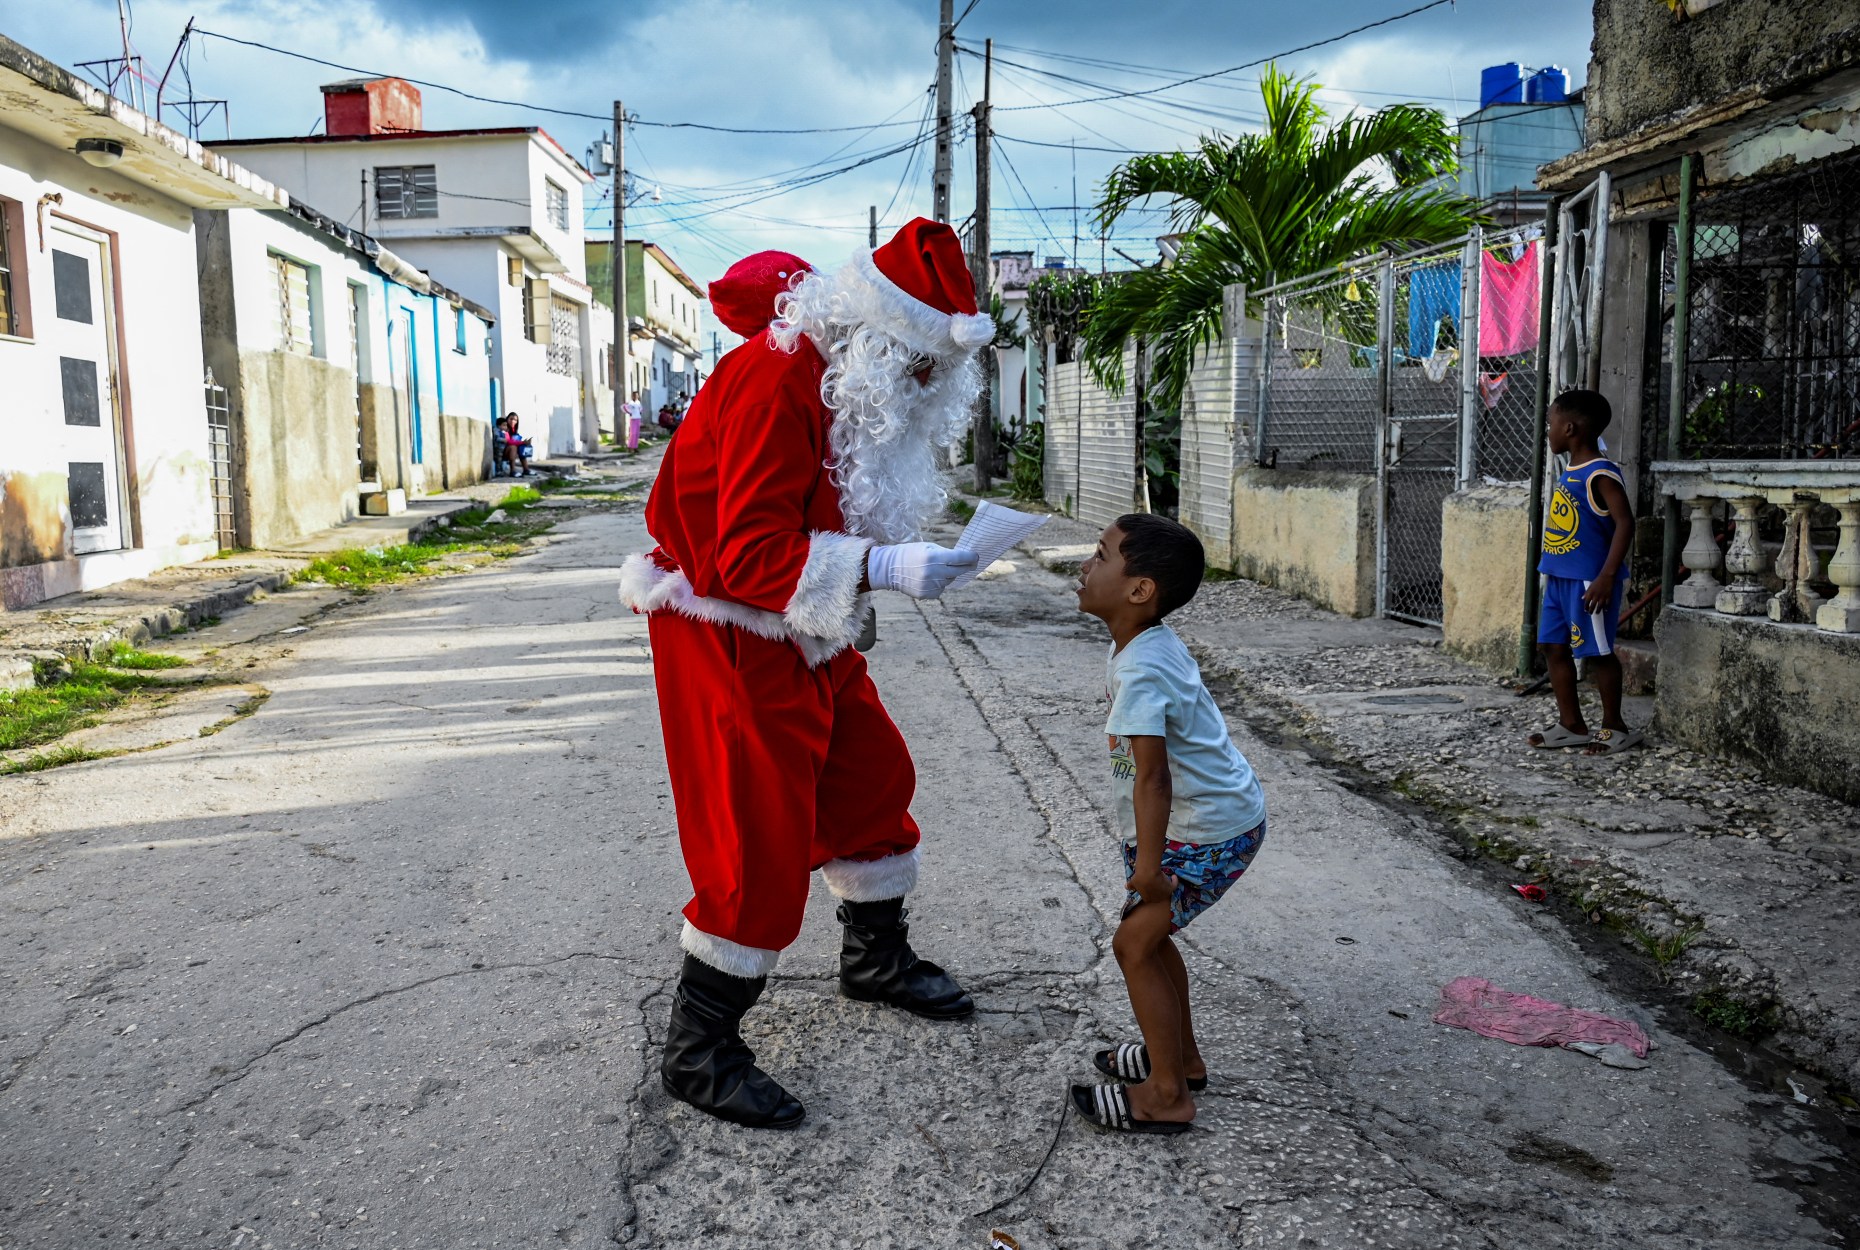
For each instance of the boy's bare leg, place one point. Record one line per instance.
(1138, 945)
(1563, 681)
(1193, 1067)
(1605, 672)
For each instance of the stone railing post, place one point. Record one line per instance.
(1702, 558)
(1797, 566)
(1841, 614)
(1743, 560)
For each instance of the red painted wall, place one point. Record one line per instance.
(380, 106)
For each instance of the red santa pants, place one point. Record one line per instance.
(777, 769)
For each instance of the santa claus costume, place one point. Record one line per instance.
(795, 488)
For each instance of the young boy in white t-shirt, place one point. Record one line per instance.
(1188, 805)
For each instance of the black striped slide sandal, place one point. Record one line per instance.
(1108, 1107)
(1130, 1062)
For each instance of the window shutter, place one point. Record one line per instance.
(293, 305)
(537, 309)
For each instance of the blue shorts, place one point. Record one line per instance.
(1203, 872)
(1564, 618)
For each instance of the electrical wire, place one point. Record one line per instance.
(1220, 73)
(544, 108)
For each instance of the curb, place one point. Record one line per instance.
(16, 667)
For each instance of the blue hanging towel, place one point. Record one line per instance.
(1433, 293)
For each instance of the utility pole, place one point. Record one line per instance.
(945, 48)
(984, 408)
(871, 232)
(623, 334)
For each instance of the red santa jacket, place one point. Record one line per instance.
(746, 514)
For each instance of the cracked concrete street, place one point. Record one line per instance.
(386, 963)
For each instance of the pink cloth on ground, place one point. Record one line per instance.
(1508, 311)
(1477, 1004)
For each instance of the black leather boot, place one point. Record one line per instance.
(706, 1062)
(877, 964)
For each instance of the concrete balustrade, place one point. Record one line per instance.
(1745, 487)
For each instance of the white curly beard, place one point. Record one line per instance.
(886, 429)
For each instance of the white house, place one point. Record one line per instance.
(346, 371)
(107, 467)
(495, 214)
(665, 364)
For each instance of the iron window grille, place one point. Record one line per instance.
(1773, 352)
(564, 337)
(406, 191)
(555, 200)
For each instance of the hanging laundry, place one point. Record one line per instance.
(1436, 366)
(1508, 304)
(1433, 293)
(1492, 388)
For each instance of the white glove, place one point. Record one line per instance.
(920, 570)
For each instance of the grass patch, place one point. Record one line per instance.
(1743, 1019)
(45, 713)
(472, 534)
(239, 713)
(120, 654)
(961, 509)
(1664, 950)
(53, 759)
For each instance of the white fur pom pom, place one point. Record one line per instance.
(971, 329)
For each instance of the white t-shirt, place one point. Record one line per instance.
(1156, 690)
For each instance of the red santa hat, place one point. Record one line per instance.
(917, 289)
(744, 297)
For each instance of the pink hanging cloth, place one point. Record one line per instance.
(1508, 304)
(1477, 1004)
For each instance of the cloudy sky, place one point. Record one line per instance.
(828, 64)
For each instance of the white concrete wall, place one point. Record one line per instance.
(556, 411)
(163, 410)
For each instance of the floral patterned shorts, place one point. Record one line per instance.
(1202, 872)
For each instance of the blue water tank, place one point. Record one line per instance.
(1549, 85)
(1501, 84)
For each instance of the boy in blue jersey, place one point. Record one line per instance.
(1190, 810)
(1586, 538)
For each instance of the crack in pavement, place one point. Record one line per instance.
(234, 1076)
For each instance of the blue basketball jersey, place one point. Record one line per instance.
(1578, 531)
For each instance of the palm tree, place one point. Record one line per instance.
(1307, 194)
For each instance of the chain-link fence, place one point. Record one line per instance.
(1773, 353)
(1323, 393)
(1420, 369)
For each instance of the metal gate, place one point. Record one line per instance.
(1418, 455)
(1378, 368)
(219, 447)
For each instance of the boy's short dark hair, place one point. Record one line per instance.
(1167, 553)
(1589, 409)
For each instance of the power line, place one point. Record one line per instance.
(1219, 73)
(544, 108)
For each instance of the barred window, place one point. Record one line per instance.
(296, 329)
(564, 336)
(555, 199)
(406, 191)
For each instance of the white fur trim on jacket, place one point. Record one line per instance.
(748, 962)
(826, 598)
(645, 587)
(872, 880)
(876, 300)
